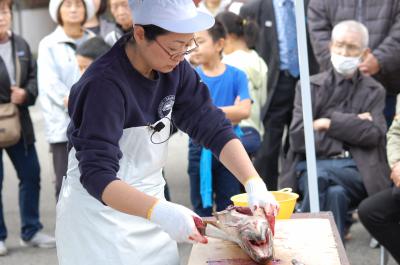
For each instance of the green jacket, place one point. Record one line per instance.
(393, 142)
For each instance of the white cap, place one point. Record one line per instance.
(179, 16)
(54, 5)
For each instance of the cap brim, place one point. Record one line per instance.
(202, 21)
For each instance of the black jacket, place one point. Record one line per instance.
(365, 139)
(382, 18)
(262, 11)
(27, 80)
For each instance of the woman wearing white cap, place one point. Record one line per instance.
(58, 70)
(111, 208)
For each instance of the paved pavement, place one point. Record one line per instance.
(357, 248)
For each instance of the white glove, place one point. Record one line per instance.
(259, 196)
(177, 221)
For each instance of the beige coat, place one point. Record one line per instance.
(393, 144)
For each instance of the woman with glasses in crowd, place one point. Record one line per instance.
(112, 208)
(57, 71)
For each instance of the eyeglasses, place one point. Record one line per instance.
(178, 55)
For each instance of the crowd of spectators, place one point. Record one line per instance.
(249, 61)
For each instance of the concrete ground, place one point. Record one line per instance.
(358, 251)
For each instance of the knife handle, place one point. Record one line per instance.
(200, 225)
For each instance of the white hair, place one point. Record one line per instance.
(354, 27)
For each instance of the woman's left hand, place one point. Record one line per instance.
(259, 196)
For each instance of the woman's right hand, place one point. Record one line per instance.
(177, 221)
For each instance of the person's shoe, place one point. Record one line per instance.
(373, 243)
(3, 248)
(40, 240)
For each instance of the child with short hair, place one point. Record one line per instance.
(90, 51)
(86, 53)
(229, 91)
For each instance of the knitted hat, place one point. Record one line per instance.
(55, 5)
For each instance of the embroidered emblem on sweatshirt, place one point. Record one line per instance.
(166, 105)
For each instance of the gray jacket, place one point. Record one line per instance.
(382, 18)
(116, 34)
(365, 139)
(106, 27)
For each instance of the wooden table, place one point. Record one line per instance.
(311, 238)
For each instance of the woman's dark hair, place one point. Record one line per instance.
(151, 32)
(8, 3)
(93, 48)
(59, 20)
(102, 8)
(217, 31)
(242, 28)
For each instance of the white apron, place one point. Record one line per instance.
(90, 233)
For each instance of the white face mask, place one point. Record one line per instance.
(346, 66)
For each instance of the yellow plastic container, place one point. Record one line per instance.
(285, 197)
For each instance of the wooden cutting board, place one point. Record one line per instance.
(309, 238)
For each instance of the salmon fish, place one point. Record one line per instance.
(253, 232)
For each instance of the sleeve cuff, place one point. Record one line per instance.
(95, 185)
(221, 140)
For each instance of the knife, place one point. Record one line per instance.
(208, 227)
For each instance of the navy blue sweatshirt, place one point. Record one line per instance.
(112, 96)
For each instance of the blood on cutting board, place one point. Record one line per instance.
(238, 262)
(231, 262)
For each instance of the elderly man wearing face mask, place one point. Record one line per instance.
(349, 128)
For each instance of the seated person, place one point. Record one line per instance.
(349, 130)
(380, 213)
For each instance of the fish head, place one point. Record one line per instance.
(257, 239)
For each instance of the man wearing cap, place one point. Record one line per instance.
(111, 208)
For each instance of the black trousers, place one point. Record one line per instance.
(277, 118)
(380, 214)
(60, 163)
